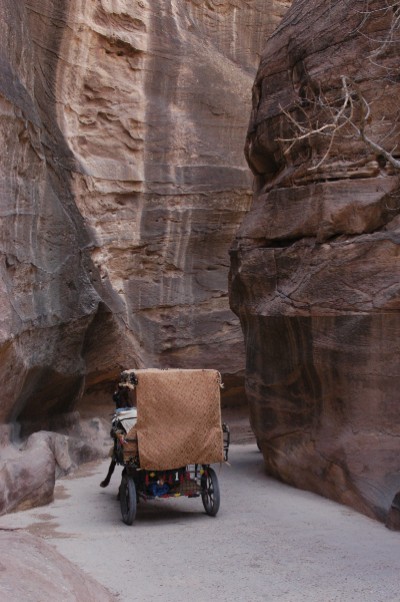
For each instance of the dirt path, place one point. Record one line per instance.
(269, 542)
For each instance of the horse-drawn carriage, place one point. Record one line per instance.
(167, 444)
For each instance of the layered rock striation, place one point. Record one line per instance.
(122, 185)
(315, 269)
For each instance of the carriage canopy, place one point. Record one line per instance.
(179, 418)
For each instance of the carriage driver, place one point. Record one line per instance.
(125, 401)
(125, 414)
(125, 395)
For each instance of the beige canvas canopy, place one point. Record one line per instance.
(179, 418)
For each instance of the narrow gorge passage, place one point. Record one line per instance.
(268, 542)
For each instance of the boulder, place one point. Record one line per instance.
(28, 472)
(31, 569)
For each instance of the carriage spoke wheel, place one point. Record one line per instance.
(127, 499)
(210, 492)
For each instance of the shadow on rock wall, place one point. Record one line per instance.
(122, 186)
(315, 265)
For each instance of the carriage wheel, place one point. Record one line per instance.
(210, 492)
(127, 498)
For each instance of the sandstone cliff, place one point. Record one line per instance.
(315, 274)
(122, 185)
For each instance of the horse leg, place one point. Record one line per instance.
(109, 474)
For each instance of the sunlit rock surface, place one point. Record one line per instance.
(315, 272)
(122, 185)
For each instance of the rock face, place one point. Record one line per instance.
(315, 269)
(28, 473)
(33, 570)
(121, 188)
(122, 184)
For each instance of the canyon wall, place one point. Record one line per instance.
(315, 272)
(122, 185)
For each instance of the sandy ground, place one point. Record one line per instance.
(269, 542)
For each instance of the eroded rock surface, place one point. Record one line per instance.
(315, 274)
(28, 471)
(33, 570)
(122, 185)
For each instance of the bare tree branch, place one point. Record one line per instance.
(347, 113)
